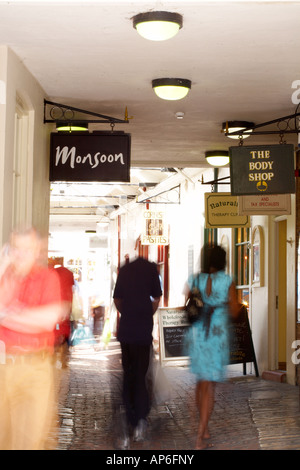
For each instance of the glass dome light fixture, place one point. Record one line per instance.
(157, 25)
(65, 126)
(217, 157)
(171, 88)
(235, 126)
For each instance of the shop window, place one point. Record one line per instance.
(241, 263)
(258, 256)
(210, 236)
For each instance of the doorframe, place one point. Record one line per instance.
(291, 307)
(281, 292)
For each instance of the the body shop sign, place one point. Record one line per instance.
(265, 169)
(90, 157)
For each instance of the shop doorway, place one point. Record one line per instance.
(163, 265)
(281, 295)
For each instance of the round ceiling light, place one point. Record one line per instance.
(171, 88)
(235, 126)
(64, 126)
(217, 157)
(157, 25)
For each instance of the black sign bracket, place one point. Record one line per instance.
(61, 112)
(216, 181)
(285, 125)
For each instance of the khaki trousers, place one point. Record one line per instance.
(27, 404)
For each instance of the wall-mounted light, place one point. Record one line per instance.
(157, 25)
(171, 88)
(217, 157)
(65, 126)
(235, 126)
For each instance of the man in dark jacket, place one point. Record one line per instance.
(136, 296)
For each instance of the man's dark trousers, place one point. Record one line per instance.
(135, 361)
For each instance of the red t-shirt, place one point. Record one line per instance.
(39, 288)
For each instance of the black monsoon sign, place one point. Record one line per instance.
(90, 157)
(264, 169)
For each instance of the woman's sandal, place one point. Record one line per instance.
(203, 446)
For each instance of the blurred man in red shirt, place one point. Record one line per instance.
(30, 306)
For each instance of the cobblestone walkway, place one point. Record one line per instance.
(249, 414)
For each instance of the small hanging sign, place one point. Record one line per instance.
(222, 210)
(267, 169)
(100, 156)
(155, 229)
(265, 204)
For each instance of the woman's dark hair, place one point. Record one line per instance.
(213, 256)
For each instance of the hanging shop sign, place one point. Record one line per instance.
(265, 204)
(155, 229)
(101, 156)
(267, 169)
(222, 210)
(98, 242)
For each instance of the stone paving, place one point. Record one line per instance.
(249, 414)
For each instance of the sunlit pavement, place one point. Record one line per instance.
(249, 413)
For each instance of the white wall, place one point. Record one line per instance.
(5, 165)
(186, 238)
(17, 84)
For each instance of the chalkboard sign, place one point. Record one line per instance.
(173, 340)
(172, 328)
(242, 349)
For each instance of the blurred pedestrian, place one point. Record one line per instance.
(77, 313)
(30, 306)
(137, 294)
(63, 328)
(207, 339)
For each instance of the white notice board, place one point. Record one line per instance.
(172, 328)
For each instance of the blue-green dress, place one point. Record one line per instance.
(209, 353)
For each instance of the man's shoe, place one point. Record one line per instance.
(123, 439)
(140, 431)
(122, 443)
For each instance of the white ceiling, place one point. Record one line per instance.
(241, 56)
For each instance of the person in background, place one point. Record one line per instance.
(63, 328)
(30, 306)
(136, 295)
(77, 314)
(207, 340)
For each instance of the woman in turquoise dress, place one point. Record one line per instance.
(207, 340)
